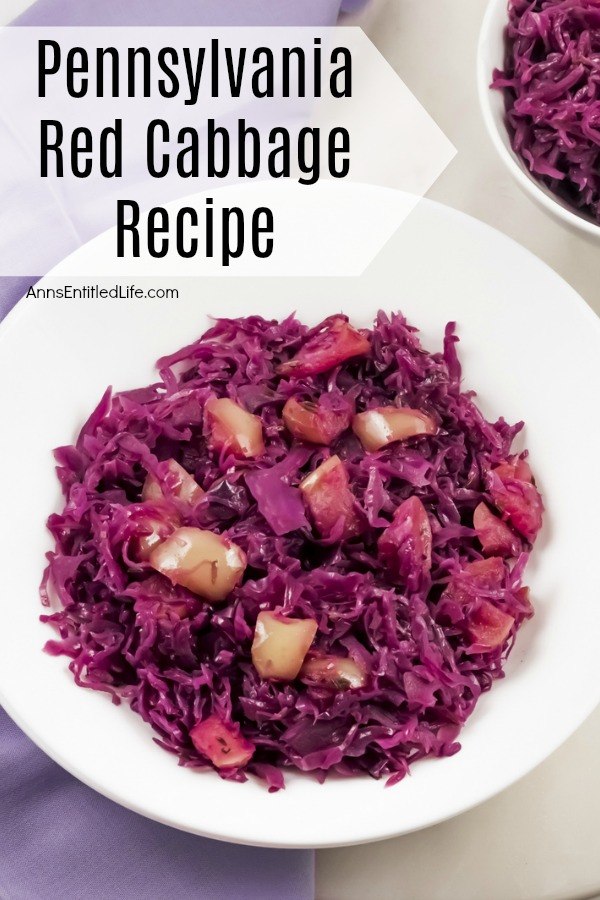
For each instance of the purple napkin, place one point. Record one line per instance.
(186, 12)
(60, 838)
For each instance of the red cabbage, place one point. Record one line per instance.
(179, 661)
(550, 84)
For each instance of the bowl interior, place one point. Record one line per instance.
(490, 56)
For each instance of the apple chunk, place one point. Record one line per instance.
(376, 428)
(339, 673)
(203, 562)
(315, 423)
(327, 494)
(280, 645)
(222, 743)
(233, 428)
(332, 343)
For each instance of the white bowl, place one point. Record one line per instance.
(529, 345)
(490, 56)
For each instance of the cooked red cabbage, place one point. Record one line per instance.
(427, 624)
(550, 84)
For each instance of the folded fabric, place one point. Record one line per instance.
(185, 12)
(60, 838)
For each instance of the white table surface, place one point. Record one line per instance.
(540, 839)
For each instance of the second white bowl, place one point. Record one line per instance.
(490, 56)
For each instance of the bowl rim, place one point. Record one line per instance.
(509, 158)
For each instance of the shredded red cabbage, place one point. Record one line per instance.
(428, 644)
(551, 83)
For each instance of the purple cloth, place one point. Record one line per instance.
(12, 288)
(186, 12)
(60, 838)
